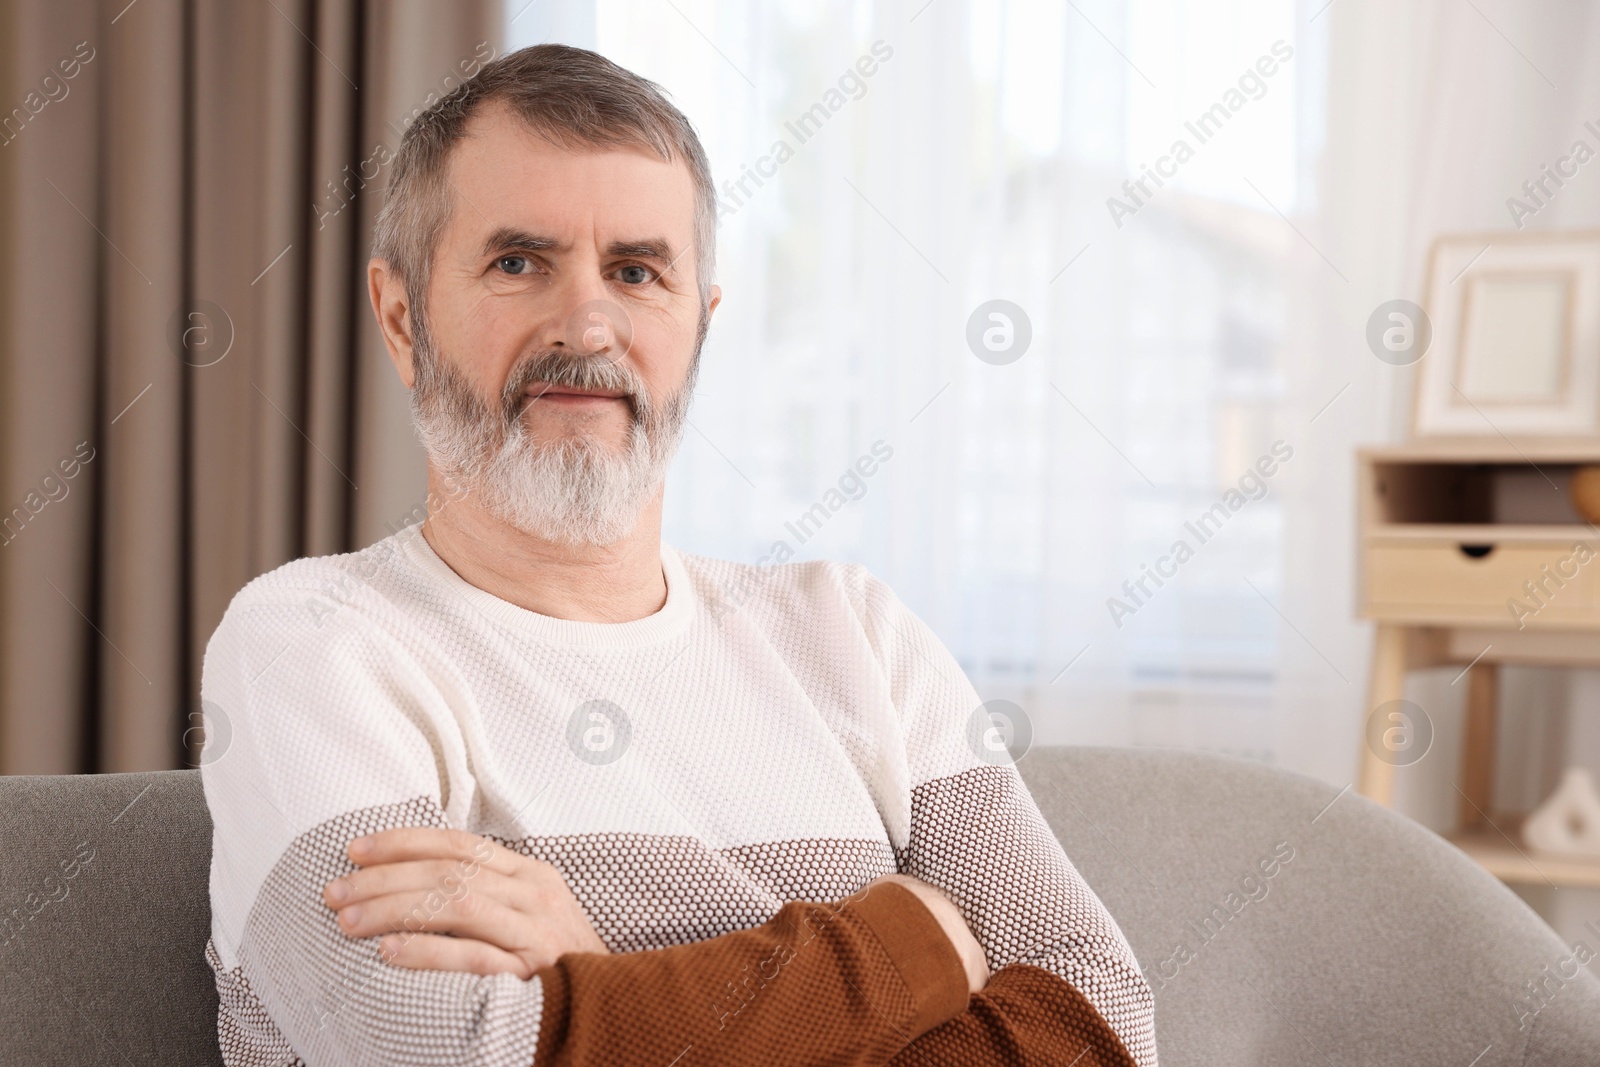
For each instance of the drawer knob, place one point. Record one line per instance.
(1476, 551)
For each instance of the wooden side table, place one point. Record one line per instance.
(1471, 555)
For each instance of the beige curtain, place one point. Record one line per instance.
(191, 388)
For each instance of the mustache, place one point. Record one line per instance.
(563, 367)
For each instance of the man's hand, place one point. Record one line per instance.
(450, 900)
(955, 927)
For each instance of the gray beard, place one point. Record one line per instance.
(573, 491)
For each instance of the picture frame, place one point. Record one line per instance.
(1515, 348)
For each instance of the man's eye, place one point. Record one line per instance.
(633, 274)
(514, 264)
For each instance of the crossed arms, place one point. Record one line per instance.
(882, 976)
(873, 978)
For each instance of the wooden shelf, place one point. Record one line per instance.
(1526, 598)
(1485, 533)
(1513, 861)
(1521, 450)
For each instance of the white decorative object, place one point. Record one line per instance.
(1568, 823)
(1515, 337)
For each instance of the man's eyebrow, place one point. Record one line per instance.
(648, 248)
(511, 237)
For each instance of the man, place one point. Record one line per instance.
(522, 784)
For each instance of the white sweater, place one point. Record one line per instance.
(772, 733)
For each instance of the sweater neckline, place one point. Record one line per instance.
(669, 621)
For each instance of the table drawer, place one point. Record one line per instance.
(1483, 581)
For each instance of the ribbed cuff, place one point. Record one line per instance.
(916, 944)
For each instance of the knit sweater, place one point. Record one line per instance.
(717, 783)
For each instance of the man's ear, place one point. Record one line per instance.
(716, 298)
(388, 295)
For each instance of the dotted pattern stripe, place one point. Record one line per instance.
(245, 1031)
(642, 891)
(980, 837)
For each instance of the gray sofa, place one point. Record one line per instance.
(1280, 922)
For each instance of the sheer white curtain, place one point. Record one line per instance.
(887, 169)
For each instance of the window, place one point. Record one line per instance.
(867, 216)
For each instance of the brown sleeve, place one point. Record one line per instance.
(1024, 1017)
(851, 982)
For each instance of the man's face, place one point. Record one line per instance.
(537, 233)
(563, 322)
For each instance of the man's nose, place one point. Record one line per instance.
(591, 322)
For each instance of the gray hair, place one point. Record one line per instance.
(572, 97)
